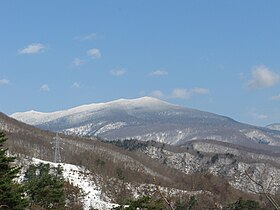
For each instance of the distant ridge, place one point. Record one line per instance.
(147, 119)
(274, 126)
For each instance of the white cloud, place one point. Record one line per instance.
(45, 88)
(76, 85)
(32, 49)
(262, 77)
(157, 94)
(4, 81)
(94, 53)
(181, 93)
(88, 37)
(261, 116)
(199, 91)
(159, 73)
(78, 62)
(276, 97)
(258, 116)
(118, 72)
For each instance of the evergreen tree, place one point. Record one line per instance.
(11, 193)
(45, 186)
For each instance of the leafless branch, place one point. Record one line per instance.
(162, 196)
(267, 195)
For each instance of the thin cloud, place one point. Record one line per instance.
(78, 62)
(32, 49)
(4, 81)
(258, 116)
(94, 53)
(261, 116)
(88, 37)
(181, 93)
(157, 94)
(45, 88)
(118, 72)
(263, 77)
(276, 97)
(199, 90)
(76, 85)
(159, 73)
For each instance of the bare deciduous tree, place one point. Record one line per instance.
(264, 190)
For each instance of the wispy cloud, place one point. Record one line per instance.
(157, 94)
(4, 81)
(78, 61)
(199, 90)
(181, 93)
(88, 37)
(32, 49)
(258, 116)
(118, 72)
(94, 53)
(45, 88)
(76, 85)
(276, 97)
(263, 77)
(159, 73)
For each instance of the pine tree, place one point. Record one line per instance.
(45, 186)
(11, 193)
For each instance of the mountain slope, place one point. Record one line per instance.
(104, 161)
(150, 119)
(120, 174)
(274, 126)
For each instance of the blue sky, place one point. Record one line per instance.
(216, 56)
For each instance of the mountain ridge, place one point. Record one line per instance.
(274, 126)
(148, 119)
(178, 169)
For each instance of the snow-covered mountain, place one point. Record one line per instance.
(148, 118)
(107, 173)
(274, 126)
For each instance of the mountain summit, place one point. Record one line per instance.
(148, 118)
(34, 117)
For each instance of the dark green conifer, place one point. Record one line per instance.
(11, 192)
(45, 186)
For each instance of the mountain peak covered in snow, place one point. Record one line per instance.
(148, 119)
(34, 117)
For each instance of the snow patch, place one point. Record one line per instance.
(111, 126)
(79, 176)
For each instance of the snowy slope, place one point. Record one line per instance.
(82, 178)
(275, 126)
(34, 118)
